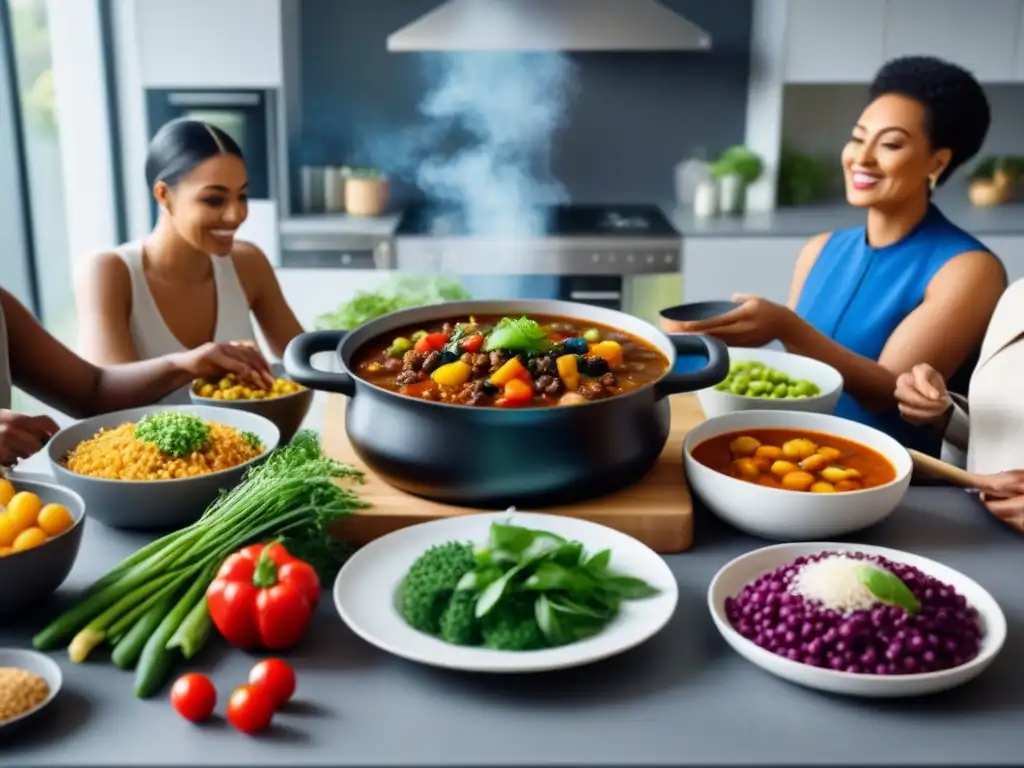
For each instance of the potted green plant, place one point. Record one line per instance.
(735, 170)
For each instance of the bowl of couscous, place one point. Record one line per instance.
(286, 403)
(158, 467)
(40, 535)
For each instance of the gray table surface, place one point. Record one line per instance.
(682, 698)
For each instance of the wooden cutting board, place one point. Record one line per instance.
(657, 510)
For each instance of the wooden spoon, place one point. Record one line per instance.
(938, 468)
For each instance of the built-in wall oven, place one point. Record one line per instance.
(249, 116)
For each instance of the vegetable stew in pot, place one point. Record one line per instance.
(510, 362)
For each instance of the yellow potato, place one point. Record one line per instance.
(852, 474)
(744, 446)
(55, 519)
(823, 487)
(770, 452)
(848, 485)
(832, 454)
(746, 468)
(783, 468)
(770, 481)
(833, 474)
(762, 464)
(814, 463)
(29, 538)
(798, 448)
(798, 481)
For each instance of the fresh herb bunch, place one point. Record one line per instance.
(151, 607)
(175, 433)
(524, 590)
(518, 335)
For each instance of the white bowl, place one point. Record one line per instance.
(735, 575)
(828, 379)
(782, 515)
(37, 663)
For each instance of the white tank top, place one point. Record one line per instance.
(150, 333)
(5, 365)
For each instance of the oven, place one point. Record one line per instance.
(246, 115)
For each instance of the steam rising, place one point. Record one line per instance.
(510, 105)
(499, 111)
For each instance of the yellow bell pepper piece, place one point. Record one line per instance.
(568, 371)
(513, 369)
(452, 374)
(610, 351)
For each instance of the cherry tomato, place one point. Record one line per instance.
(194, 697)
(250, 709)
(276, 677)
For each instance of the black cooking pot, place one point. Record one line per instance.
(493, 458)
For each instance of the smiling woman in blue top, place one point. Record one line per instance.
(909, 287)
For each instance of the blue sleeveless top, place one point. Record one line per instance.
(857, 295)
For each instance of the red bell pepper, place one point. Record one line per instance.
(263, 597)
(431, 342)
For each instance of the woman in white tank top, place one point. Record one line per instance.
(189, 281)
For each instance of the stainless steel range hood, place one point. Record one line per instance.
(550, 25)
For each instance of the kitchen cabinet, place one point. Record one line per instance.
(209, 43)
(714, 268)
(980, 36)
(834, 41)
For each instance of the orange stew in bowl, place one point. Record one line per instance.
(509, 362)
(795, 460)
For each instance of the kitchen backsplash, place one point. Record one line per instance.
(631, 119)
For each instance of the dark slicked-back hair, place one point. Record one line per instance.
(957, 113)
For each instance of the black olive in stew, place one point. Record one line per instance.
(510, 362)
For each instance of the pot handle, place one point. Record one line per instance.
(715, 371)
(299, 353)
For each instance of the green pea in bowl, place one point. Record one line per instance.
(762, 379)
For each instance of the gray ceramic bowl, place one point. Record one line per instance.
(286, 412)
(33, 574)
(154, 504)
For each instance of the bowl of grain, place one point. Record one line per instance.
(158, 467)
(40, 535)
(286, 403)
(28, 682)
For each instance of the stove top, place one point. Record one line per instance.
(634, 221)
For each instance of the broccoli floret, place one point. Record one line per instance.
(459, 625)
(511, 626)
(428, 586)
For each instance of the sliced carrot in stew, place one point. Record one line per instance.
(518, 391)
(513, 369)
(568, 371)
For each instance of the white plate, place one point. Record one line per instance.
(735, 575)
(365, 594)
(37, 663)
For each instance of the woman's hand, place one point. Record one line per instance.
(213, 360)
(1003, 495)
(21, 436)
(922, 396)
(754, 323)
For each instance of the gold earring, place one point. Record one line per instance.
(932, 182)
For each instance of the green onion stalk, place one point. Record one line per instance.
(293, 496)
